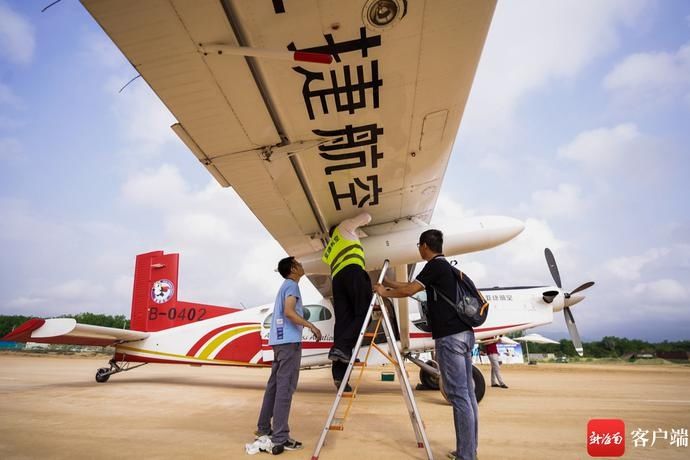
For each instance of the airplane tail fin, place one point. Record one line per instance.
(154, 297)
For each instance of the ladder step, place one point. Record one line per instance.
(337, 425)
(369, 334)
(360, 364)
(349, 394)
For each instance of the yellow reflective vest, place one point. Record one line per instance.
(342, 252)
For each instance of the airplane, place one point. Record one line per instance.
(312, 111)
(166, 330)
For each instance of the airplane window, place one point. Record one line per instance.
(316, 313)
(267, 321)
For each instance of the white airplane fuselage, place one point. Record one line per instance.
(241, 338)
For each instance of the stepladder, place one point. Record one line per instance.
(377, 315)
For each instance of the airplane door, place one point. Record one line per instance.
(322, 317)
(266, 350)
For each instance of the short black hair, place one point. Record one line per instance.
(433, 239)
(285, 266)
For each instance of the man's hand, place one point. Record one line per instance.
(316, 331)
(380, 289)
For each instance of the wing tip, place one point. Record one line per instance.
(23, 332)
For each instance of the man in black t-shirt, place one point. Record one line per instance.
(454, 339)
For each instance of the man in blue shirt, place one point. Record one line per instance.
(286, 339)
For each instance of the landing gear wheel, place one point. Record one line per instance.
(102, 375)
(479, 385)
(429, 380)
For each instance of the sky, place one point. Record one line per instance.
(578, 124)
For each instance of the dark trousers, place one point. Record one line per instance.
(279, 389)
(352, 293)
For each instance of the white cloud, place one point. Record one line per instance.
(661, 291)
(658, 72)
(495, 163)
(144, 119)
(227, 257)
(449, 212)
(532, 43)
(16, 36)
(563, 202)
(630, 268)
(609, 147)
(158, 188)
(527, 249)
(76, 289)
(100, 49)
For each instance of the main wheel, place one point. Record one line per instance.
(429, 380)
(479, 385)
(102, 375)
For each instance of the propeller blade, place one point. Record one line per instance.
(582, 287)
(572, 329)
(551, 262)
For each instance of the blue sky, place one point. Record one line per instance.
(577, 124)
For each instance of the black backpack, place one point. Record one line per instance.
(471, 307)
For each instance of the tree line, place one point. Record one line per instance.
(9, 322)
(610, 347)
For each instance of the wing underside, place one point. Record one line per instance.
(306, 145)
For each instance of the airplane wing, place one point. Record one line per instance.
(68, 331)
(306, 144)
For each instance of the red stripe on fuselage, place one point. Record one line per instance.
(242, 348)
(201, 342)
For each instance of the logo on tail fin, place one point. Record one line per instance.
(162, 291)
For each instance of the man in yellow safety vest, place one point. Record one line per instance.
(352, 290)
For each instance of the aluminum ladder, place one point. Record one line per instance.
(378, 313)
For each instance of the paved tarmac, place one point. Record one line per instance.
(51, 407)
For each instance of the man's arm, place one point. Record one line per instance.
(389, 283)
(291, 314)
(402, 290)
(351, 225)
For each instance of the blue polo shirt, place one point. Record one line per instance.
(282, 329)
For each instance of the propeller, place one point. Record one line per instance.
(568, 300)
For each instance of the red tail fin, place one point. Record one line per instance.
(154, 297)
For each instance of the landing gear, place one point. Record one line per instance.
(479, 385)
(104, 373)
(429, 380)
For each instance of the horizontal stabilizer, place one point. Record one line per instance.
(68, 331)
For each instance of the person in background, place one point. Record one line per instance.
(495, 360)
